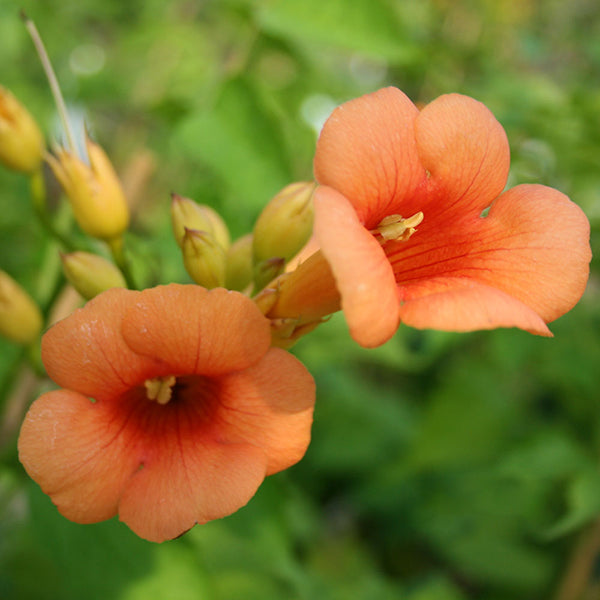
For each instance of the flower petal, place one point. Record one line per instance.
(197, 331)
(367, 151)
(533, 245)
(457, 304)
(466, 153)
(189, 476)
(270, 405)
(362, 272)
(85, 352)
(79, 453)
(308, 293)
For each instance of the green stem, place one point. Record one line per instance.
(11, 374)
(117, 249)
(34, 358)
(38, 195)
(52, 80)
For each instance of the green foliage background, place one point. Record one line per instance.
(442, 466)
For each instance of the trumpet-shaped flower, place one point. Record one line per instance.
(412, 218)
(173, 409)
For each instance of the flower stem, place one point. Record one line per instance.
(35, 359)
(579, 571)
(38, 195)
(117, 249)
(52, 80)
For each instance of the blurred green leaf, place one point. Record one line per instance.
(240, 141)
(436, 588)
(368, 26)
(464, 422)
(583, 501)
(177, 574)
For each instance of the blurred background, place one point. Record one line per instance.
(443, 466)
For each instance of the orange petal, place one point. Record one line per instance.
(79, 453)
(86, 352)
(270, 405)
(465, 151)
(197, 331)
(367, 151)
(189, 476)
(533, 245)
(362, 272)
(544, 258)
(456, 304)
(308, 293)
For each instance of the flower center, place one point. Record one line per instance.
(397, 228)
(160, 389)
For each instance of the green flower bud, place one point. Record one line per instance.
(203, 258)
(238, 275)
(91, 274)
(21, 141)
(285, 224)
(20, 318)
(187, 214)
(94, 191)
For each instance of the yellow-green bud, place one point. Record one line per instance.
(238, 275)
(21, 141)
(203, 258)
(91, 274)
(285, 224)
(94, 191)
(20, 318)
(187, 214)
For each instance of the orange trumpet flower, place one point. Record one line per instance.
(172, 412)
(412, 218)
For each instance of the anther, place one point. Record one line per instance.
(160, 389)
(396, 228)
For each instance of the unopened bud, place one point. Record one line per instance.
(94, 191)
(238, 275)
(203, 258)
(21, 142)
(187, 214)
(20, 318)
(91, 274)
(285, 224)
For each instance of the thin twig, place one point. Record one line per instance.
(581, 564)
(52, 80)
(117, 250)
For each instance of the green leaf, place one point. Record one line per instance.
(55, 558)
(583, 499)
(465, 421)
(241, 143)
(368, 26)
(437, 588)
(177, 575)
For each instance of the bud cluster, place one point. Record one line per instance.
(98, 205)
(254, 260)
(255, 263)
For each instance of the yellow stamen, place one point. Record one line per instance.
(396, 228)
(160, 388)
